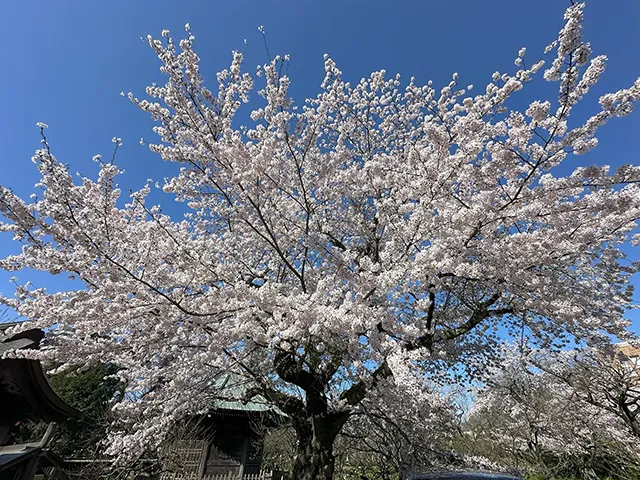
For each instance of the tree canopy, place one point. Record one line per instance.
(358, 247)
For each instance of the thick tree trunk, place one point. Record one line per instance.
(314, 461)
(316, 427)
(314, 458)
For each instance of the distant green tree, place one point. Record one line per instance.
(91, 391)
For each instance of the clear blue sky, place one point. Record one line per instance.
(65, 62)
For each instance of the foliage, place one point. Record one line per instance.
(92, 391)
(347, 252)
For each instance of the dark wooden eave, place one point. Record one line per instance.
(25, 392)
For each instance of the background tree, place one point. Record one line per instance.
(368, 241)
(603, 377)
(93, 392)
(278, 448)
(531, 420)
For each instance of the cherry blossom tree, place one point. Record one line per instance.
(533, 419)
(603, 377)
(373, 238)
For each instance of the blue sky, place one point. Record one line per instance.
(65, 63)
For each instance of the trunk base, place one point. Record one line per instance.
(315, 463)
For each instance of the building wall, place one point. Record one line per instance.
(632, 353)
(218, 444)
(234, 443)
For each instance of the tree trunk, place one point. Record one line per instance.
(314, 461)
(314, 457)
(316, 427)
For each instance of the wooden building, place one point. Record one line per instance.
(25, 394)
(227, 441)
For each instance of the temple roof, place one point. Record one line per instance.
(232, 390)
(25, 392)
(14, 455)
(26, 339)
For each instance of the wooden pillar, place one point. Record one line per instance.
(203, 459)
(245, 453)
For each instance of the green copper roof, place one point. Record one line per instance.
(231, 392)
